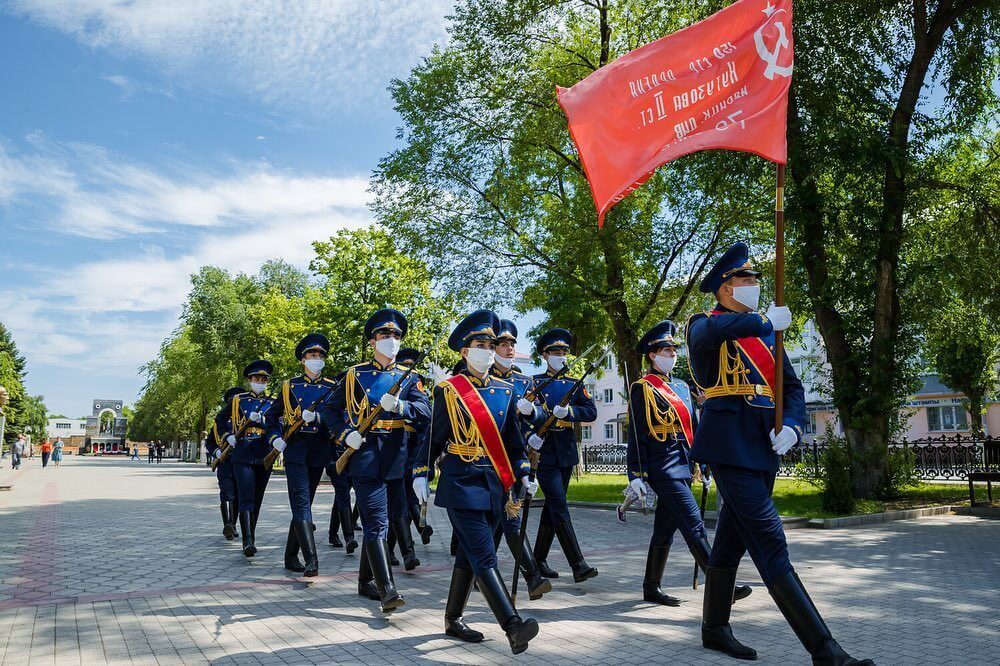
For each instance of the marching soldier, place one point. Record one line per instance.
(224, 471)
(663, 423)
(732, 359)
(475, 427)
(559, 456)
(380, 454)
(529, 414)
(307, 452)
(340, 513)
(414, 440)
(246, 416)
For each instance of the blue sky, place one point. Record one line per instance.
(142, 139)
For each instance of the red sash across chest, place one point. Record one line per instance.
(679, 406)
(481, 416)
(758, 353)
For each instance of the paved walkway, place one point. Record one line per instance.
(117, 561)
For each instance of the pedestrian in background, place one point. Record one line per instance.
(135, 452)
(46, 452)
(151, 451)
(159, 453)
(16, 451)
(57, 451)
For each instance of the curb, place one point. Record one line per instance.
(876, 518)
(711, 517)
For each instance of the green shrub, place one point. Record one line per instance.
(835, 477)
(900, 472)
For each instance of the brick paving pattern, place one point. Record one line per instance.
(124, 562)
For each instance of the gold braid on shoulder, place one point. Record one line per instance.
(357, 410)
(467, 441)
(662, 420)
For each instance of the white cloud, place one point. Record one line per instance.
(323, 53)
(110, 315)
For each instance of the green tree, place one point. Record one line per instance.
(12, 372)
(35, 415)
(965, 347)
(487, 190)
(867, 142)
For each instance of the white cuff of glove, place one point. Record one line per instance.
(421, 489)
(390, 403)
(530, 486)
(279, 444)
(783, 442)
(525, 407)
(355, 440)
(779, 316)
(308, 416)
(256, 417)
(535, 442)
(638, 487)
(560, 411)
(231, 440)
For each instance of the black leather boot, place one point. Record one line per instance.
(405, 539)
(334, 535)
(543, 542)
(571, 548)
(378, 558)
(233, 518)
(537, 585)
(453, 549)
(716, 634)
(292, 562)
(427, 531)
(518, 631)
(307, 542)
(701, 552)
(390, 542)
(246, 526)
(347, 524)
(227, 521)
(804, 618)
(462, 581)
(656, 561)
(366, 581)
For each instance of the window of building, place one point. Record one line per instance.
(609, 362)
(609, 395)
(609, 431)
(587, 432)
(63, 426)
(811, 424)
(947, 417)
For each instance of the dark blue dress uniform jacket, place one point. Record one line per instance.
(310, 445)
(383, 454)
(253, 445)
(473, 484)
(656, 459)
(734, 429)
(559, 449)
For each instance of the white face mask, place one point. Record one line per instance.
(748, 295)
(388, 346)
(315, 365)
(480, 359)
(506, 363)
(664, 363)
(257, 387)
(556, 362)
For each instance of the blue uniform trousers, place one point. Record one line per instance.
(373, 504)
(554, 481)
(251, 482)
(749, 521)
(396, 491)
(341, 486)
(227, 481)
(676, 509)
(302, 482)
(478, 534)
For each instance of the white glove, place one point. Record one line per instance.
(638, 487)
(706, 481)
(779, 316)
(308, 416)
(526, 407)
(390, 403)
(355, 440)
(256, 417)
(216, 454)
(560, 411)
(421, 489)
(231, 440)
(530, 486)
(279, 444)
(438, 373)
(784, 440)
(535, 442)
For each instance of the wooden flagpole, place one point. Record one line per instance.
(779, 296)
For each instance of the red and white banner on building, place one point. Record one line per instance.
(721, 83)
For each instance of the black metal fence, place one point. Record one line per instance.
(948, 457)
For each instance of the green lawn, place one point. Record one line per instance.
(792, 497)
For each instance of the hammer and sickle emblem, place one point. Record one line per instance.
(771, 57)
